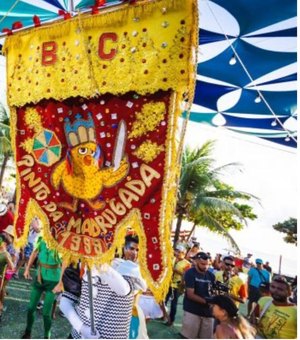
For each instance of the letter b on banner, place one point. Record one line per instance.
(49, 56)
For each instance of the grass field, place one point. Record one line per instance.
(13, 321)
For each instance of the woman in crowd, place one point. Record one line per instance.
(232, 325)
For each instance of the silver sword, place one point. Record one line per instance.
(120, 145)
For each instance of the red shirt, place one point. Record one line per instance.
(6, 220)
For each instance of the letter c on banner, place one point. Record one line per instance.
(103, 38)
(49, 56)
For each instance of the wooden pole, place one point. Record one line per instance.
(280, 261)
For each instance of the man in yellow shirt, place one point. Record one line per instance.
(277, 317)
(181, 265)
(237, 287)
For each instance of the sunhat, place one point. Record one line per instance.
(9, 230)
(3, 209)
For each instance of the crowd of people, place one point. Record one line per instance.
(215, 288)
(213, 291)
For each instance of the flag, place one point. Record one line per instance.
(95, 102)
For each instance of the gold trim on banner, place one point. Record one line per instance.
(149, 25)
(142, 48)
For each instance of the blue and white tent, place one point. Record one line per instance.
(247, 60)
(247, 67)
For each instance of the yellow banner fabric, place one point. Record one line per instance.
(142, 48)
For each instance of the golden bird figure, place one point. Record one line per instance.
(82, 176)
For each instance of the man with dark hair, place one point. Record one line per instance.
(197, 320)
(267, 267)
(236, 286)
(131, 248)
(276, 315)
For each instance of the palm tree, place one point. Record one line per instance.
(5, 142)
(202, 197)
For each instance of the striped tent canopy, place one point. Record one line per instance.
(247, 68)
(247, 60)
(23, 11)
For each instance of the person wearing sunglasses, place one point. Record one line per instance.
(237, 287)
(197, 320)
(258, 278)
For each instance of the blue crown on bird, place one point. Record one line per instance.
(81, 131)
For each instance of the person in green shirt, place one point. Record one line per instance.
(48, 275)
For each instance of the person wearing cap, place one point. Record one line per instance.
(256, 277)
(231, 324)
(197, 320)
(276, 316)
(180, 266)
(114, 287)
(6, 217)
(237, 287)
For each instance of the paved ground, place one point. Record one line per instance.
(14, 318)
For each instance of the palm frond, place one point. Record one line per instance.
(5, 146)
(203, 195)
(207, 220)
(4, 115)
(216, 204)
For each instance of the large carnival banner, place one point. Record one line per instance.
(95, 102)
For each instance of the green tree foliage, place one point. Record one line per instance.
(205, 200)
(288, 227)
(227, 219)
